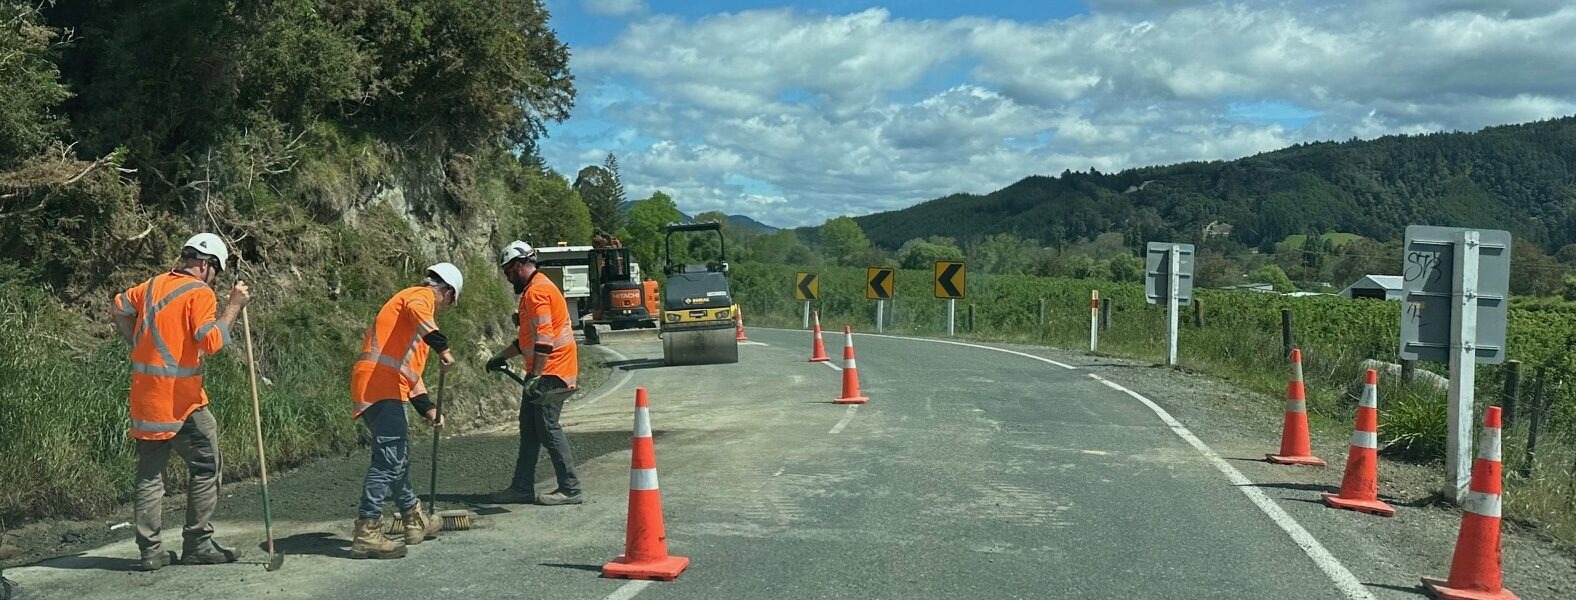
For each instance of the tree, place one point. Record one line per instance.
(1004, 253)
(843, 240)
(1533, 273)
(921, 254)
(596, 186)
(1214, 270)
(1273, 275)
(643, 229)
(1126, 268)
(614, 219)
(547, 211)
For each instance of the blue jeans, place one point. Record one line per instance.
(390, 459)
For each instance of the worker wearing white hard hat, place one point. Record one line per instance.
(546, 343)
(172, 323)
(386, 377)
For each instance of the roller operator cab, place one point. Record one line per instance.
(697, 305)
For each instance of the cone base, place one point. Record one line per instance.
(853, 400)
(1372, 507)
(1307, 461)
(820, 359)
(1439, 588)
(663, 569)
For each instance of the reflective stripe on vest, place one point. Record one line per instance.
(155, 427)
(149, 325)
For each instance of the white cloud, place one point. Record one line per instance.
(615, 8)
(794, 117)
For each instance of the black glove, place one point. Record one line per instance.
(497, 363)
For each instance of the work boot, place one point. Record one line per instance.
(207, 553)
(156, 560)
(513, 496)
(371, 543)
(419, 525)
(559, 497)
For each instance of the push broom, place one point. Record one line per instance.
(453, 520)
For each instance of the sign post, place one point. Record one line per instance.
(878, 287)
(1094, 319)
(1454, 288)
(1168, 277)
(806, 288)
(951, 280)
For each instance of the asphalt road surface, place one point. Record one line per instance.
(972, 473)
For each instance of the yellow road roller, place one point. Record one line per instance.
(697, 306)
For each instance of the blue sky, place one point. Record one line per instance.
(793, 113)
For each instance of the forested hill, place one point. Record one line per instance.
(1516, 177)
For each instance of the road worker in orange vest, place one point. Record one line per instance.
(384, 379)
(547, 343)
(171, 323)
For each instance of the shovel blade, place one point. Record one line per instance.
(275, 562)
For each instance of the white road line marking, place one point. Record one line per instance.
(627, 375)
(848, 415)
(628, 590)
(1347, 583)
(779, 471)
(968, 345)
(832, 365)
(752, 343)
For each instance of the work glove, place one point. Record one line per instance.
(497, 363)
(531, 383)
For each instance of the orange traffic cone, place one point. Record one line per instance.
(1474, 570)
(1296, 449)
(818, 354)
(738, 320)
(645, 540)
(850, 372)
(1360, 484)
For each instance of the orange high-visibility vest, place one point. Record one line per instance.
(392, 353)
(547, 336)
(175, 328)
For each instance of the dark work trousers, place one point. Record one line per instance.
(539, 427)
(390, 467)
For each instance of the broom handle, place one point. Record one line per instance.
(432, 500)
(257, 419)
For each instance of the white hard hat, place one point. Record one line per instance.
(449, 275)
(516, 249)
(210, 245)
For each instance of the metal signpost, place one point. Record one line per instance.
(1454, 288)
(878, 287)
(1168, 277)
(951, 279)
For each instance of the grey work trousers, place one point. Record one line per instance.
(390, 466)
(539, 427)
(197, 443)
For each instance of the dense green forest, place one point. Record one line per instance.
(1517, 177)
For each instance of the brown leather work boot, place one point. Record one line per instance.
(371, 543)
(419, 525)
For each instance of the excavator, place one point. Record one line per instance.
(619, 297)
(697, 305)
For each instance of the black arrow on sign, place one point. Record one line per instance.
(946, 279)
(878, 284)
(804, 286)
